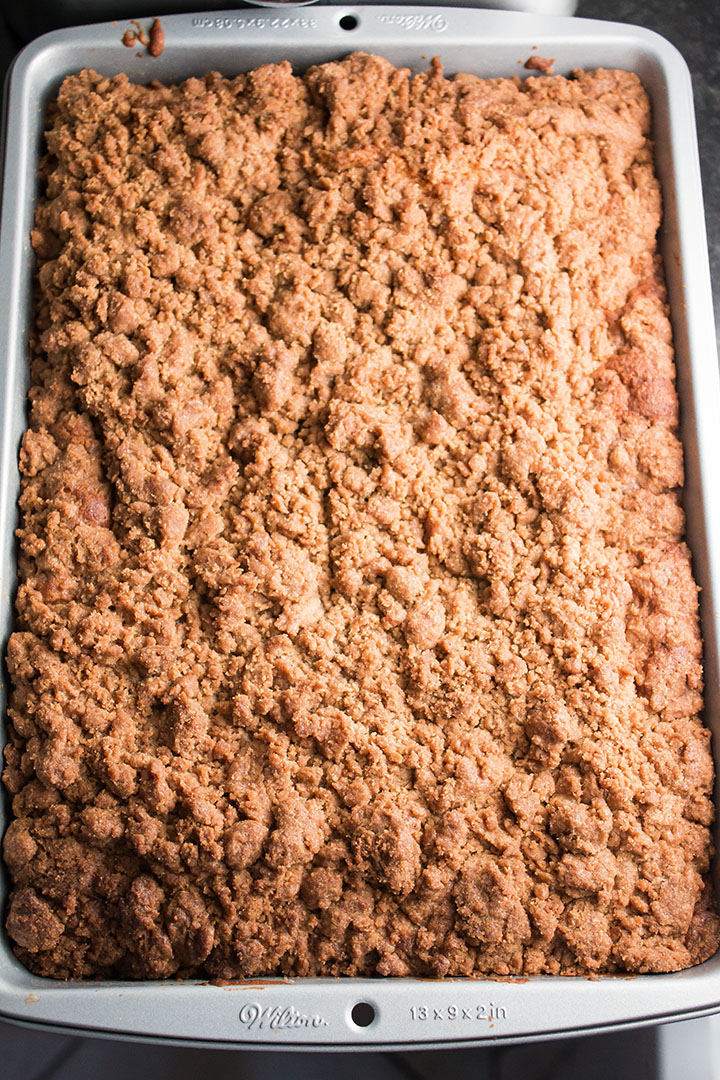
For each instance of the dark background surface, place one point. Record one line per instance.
(689, 1051)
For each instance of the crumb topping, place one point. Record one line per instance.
(356, 632)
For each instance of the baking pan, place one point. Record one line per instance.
(34, 17)
(399, 1013)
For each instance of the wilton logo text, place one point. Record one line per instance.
(277, 1017)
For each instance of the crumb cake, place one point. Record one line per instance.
(356, 631)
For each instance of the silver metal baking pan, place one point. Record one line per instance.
(34, 17)
(316, 1013)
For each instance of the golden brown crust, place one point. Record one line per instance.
(356, 631)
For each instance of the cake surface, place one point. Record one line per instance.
(356, 631)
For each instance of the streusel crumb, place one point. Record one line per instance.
(356, 633)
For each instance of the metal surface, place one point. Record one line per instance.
(534, 7)
(33, 17)
(314, 1013)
